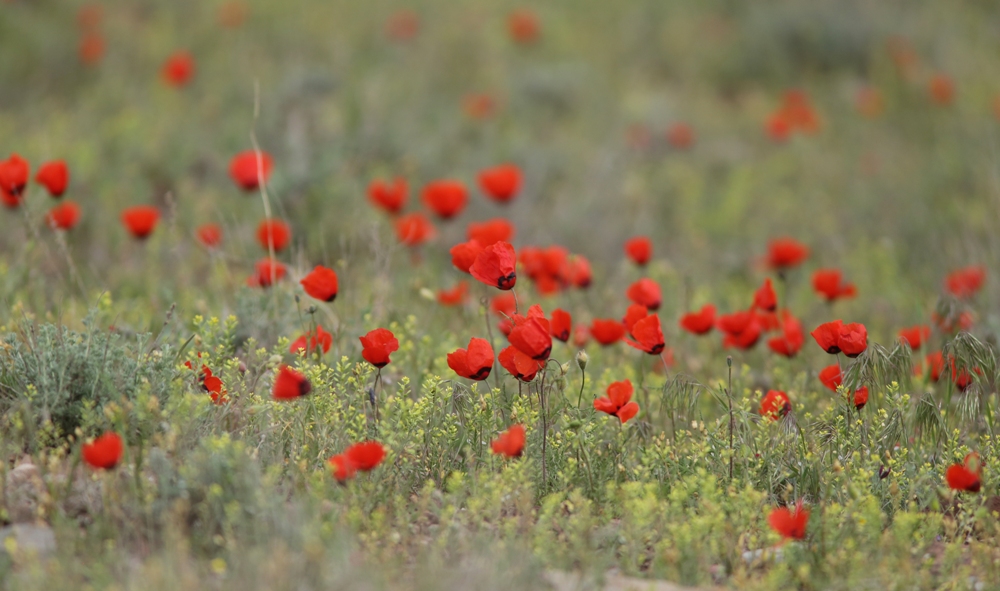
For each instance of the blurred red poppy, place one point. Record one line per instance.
(365, 456)
(777, 127)
(965, 282)
(581, 334)
(318, 340)
(343, 469)
(775, 405)
(633, 314)
(103, 452)
(54, 176)
(495, 266)
(63, 216)
(479, 105)
(446, 198)
(289, 384)
(402, 25)
(501, 183)
(830, 284)
(518, 364)
(765, 298)
(607, 331)
(140, 220)
(533, 337)
(645, 292)
(639, 249)
(680, 136)
(14, 174)
(576, 271)
(618, 402)
(243, 169)
(792, 336)
(861, 397)
(454, 296)
(784, 253)
(414, 229)
(523, 27)
(648, 335)
(474, 362)
(700, 322)
(869, 102)
(321, 283)
(561, 324)
(390, 197)
(233, 14)
(266, 272)
(464, 254)
(965, 476)
(490, 232)
(377, 345)
(510, 443)
(941, 89)
(209, 235)
(915, 336)
(935, 365)
(790, 523)
(835, 337)
(273, 233)
(91, 49)
(178, 69)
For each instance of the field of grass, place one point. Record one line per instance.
(866, 132)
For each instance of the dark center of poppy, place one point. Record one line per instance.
(482, 374)
(507, 281)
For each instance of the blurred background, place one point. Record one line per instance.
(895, 179)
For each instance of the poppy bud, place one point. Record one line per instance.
(564, 369)
(729, 360)
(581, 359)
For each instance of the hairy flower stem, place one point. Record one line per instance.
(729, 398)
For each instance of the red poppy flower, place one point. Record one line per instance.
(446, 198)
(618, 402)
(561, 324)
(402, 25)
(91, 49)
(964, 283)
(246, 174)
(503, 304)
(935, 363)
(490, 232)
(861, 397)
(464, 254)
(289, 384)
(765, 298)
(495, 266)
(700, 322)
(680, 136)
(63, 216)
(581, 334)
(320, 340)
(14, 175)
(390, 197)
(274, 233)
(645, 292)
(414, 229)
(915, 336)
(941, 89)
(735, 323)
(213, 385)
(454, 296)
(607, 331)
(965, 476)
(792, 336)
(633, 314)
(266, 272)
(104, 452)
(518, 364)
(140, 220)
(777, 127)
(475, 362)
(784, 253)
(532, 337)
(829, 283)
(853, 339)
(827, 336)
(210, 235)
(961, 376)
(577, 272)
(501, 183)
(510, 443)
(479, 105)
(54, 176)
(831, 377)
(746, 339)
(648, 335)
(377, 346)
(89, 16)
(799, 113)
(639, 249)
(178, 69)
(343, 469)
(321, 283)
(522, 24)
(233, 14)
(365, 456)
(775, 405)
(789, 523)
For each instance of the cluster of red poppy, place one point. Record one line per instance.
(364, 457)
(54, 176)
